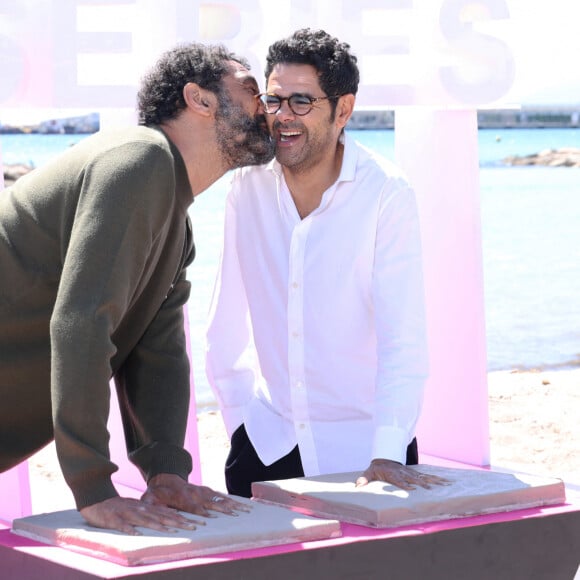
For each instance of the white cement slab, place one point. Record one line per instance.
(382, 505)
(264, 525)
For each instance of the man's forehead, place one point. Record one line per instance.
(239, 71)
(239, 75)
(293, 76)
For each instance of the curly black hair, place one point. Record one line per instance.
(337, 68)
(160, 97)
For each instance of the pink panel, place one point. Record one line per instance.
(127, 479)
(1, 165)
(191, 435)
(438, 151)
(15, 493)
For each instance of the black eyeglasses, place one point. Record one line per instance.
(299, 104)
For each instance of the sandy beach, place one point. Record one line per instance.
(534, 428)
(535, 422)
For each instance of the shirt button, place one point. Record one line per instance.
(299, 384)
(295, 334)
(295, 285)
(302, 426)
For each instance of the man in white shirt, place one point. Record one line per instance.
(316, 343)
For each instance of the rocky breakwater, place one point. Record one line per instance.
(14, 172)
(564, 157)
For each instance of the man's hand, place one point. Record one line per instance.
(400, 475)
(170, 490)
(157, 508)
(125, 514)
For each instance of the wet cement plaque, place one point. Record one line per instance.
(381, 505)
(264, 525)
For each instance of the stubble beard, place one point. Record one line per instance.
(242, 139)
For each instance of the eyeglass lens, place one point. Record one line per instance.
(299, 104)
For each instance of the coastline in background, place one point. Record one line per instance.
(525, 117)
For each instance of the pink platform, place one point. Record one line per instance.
(537, 543)
(534, 543)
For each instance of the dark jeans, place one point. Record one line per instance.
(243, 466)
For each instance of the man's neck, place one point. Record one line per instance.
(198, 148)
(307, 186)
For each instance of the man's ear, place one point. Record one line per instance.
(344, 109)
(198, 99)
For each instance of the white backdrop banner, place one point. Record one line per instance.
(88, 54)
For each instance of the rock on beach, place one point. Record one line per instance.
(563, 157)
(14, 172)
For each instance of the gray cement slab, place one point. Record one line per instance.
(381, 505)
(264, 525)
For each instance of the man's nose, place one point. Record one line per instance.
(285, 112)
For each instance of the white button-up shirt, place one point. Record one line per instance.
(317, 328)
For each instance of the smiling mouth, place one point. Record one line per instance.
(286, 136)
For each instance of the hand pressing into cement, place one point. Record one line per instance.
(173, 491)
(158, 507)
(126, 514)
(399, 475)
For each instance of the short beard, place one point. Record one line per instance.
(242, 139)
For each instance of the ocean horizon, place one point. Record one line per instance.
(530, 241)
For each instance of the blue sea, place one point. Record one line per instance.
(531, 246)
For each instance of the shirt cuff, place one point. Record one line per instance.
(391, 443)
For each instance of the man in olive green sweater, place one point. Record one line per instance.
(93, 250)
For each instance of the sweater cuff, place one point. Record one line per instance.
(93, 491)
(157, 458)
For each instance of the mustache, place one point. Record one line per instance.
(278, 126)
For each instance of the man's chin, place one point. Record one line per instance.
(268, 153)
(260, 152)
(257, 158)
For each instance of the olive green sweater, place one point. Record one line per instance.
(93, 249)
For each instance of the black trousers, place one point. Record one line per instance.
(243, 466)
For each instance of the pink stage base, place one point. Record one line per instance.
(535, 543)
